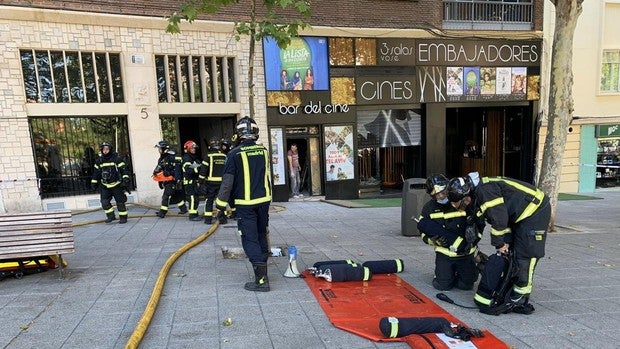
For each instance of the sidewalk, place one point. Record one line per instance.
(111, 276)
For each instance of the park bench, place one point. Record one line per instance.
(29, 237)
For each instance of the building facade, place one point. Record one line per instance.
(389, 101)
(592, 154)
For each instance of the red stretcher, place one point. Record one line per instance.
(357, 307)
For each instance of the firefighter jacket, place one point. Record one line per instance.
(190, 169)
(212, 167)
(442, 222)
(170, 165)
(247, 179)
(504, 202)
(109, 170)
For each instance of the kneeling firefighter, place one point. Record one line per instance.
(444, 227)
(170, 178)
(247, 182)
(111, 176)
(519, 215)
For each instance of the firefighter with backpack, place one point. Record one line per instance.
(169, 177)
(519, 215)
(111, 177)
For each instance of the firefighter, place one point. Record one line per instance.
(190, 166)
(210, 177)
(225, 146)
(519, 215)
(443, 227)
(168, 174)
(111, 176)
(247, 183)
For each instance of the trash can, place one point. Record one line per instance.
(414, 198)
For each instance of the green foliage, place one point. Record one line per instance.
(272, 24)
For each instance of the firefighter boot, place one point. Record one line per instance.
(183, 209)
(110, 216)
(194, 217)
(161, 213)
(522, 306)
(123, 219)
(261, 281)
(208, 220)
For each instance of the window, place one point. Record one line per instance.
(65, 149)
(610, 71)
(71, 77)
(195, 79)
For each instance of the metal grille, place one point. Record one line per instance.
(488, 11)
(195, 79)
(65, 149)
(71, 76)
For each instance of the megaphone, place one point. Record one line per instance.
(291, 270)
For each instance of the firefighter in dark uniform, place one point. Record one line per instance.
(210, 177)
(190, 166)
(225, 146)
(443, 227)
(111, 176)
(247, 183)
(519, 215)
(168, 174)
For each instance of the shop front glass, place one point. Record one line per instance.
(608, 163)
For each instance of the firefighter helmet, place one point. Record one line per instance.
(436, 183)
(106, 144)
(214, 143)
(163, 145)
(224, 145)
(458, 188)
(189, 145)
(247, 128)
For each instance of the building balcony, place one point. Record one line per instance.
(488, 15)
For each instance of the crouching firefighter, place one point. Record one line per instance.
(444, 227)
(519, 215)
(247, 182)
(111, 176)
(170, 178)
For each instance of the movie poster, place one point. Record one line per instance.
(277, 157)
(339, 158)
(487, 81)
(302, 65)
(503, 81)
(454, 81)
(472, 80)
(519, 80)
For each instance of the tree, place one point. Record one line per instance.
(560, 98)
(267, 22)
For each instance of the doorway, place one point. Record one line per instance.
(495, 141)
(199, 128)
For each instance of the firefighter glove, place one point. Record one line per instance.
(126, 181)
(439, 241)
(94, 186)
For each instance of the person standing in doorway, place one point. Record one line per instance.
(210, 177)
(294, 170)
(190, 166)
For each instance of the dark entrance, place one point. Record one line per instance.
(495, 141)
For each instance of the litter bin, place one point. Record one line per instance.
(414, 198)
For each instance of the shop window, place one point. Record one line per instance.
(195, 79)
(71, 77)
(65, 149)
(608, 163)
(610, 71)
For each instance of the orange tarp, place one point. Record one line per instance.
(357, 307)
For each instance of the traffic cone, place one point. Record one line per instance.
(291, 270)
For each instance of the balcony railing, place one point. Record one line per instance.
(488, 14)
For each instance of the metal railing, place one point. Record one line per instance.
(490, 12)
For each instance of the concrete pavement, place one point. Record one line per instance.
(111, 275)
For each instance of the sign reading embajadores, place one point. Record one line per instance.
(478, 53)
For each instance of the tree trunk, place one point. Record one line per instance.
(251, 58)
(560, 99)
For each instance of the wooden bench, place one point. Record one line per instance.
(36, 234)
